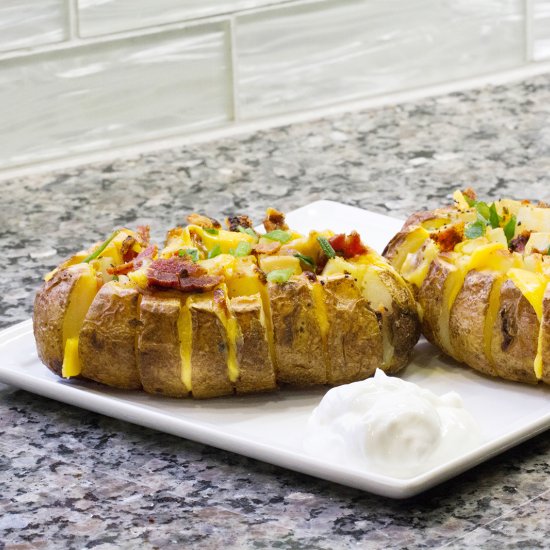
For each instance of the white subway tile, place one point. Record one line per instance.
(94, 97)
(319, 53)
(541, 30)
(104, 16)
(27, 23)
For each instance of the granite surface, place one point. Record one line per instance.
(70, 478)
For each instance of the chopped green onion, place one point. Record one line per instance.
(510, 228)
(248, 231)
(211, 230)
(216, 251)
(243, 249)
(548, 251)
(193, 253)
(115, 277)
(474, 230)
(278, 235)
(280, 275)
(471, 202)
(308, 260)
(494, 218)
(483, 210)
(98, 251)
(326, 247)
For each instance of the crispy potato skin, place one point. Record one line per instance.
(107, 350)
(402, 323)
(515, 336)
(209, 374)
(50, 304)
(354, 338)
(158, 346)
(467, 321)
(297, 335)
(546, 336)
(256, 370)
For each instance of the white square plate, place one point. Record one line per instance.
(271, 427)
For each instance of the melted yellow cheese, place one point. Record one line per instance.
(80, 299)
(318, 294)
(185, 332)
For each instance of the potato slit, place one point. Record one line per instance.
(269, 326)
(186, 343)
(319, 303)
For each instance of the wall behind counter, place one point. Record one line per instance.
(79, 76)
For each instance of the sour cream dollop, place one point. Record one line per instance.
(390, 426)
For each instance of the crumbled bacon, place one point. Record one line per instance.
(274, 220)
(310, 276)
(347, 246)
(203, 221)
(518, 243)
(234, 222)
(181, 274)
(127, 249)
(448, 237)
(136, 263)
(267, 247)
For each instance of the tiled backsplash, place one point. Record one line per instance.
(87, 75)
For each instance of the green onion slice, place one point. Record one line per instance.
(474, 230)
(494, 218)
(248, 231)
(510, 228)
(243, 249)
(308, 260)
(98, 251)
(326, 247)
(278, 235)
(211, 230)
(280, 275)
(216, 251)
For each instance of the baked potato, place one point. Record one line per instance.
(480, 274)
(222, 311)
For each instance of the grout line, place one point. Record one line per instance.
(234, 68)
(177, 138)
(529, 37)
(72, 18)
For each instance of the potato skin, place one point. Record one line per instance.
(467, 321)
(209, 376)
(515, 336)
(158, 346)
(354, 339)
(546, 337)
(297, 336)
(107, 349)
(50, 305)
(256, 370)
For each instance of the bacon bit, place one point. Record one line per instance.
(126, 249)
(220, 301)
(267, 248)
(449, 237)
(518, 243)
(136, 263)
(310, 276)
(144, 232)
(348, 246)
(203, 221)
(181, 274)
(234, 222)
(470, 193)
(274, 220)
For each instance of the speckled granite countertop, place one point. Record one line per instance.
(73, 479)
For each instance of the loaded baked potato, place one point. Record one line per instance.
(221, 311)
(480, 275)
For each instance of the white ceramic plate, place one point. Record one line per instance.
(271, 427)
